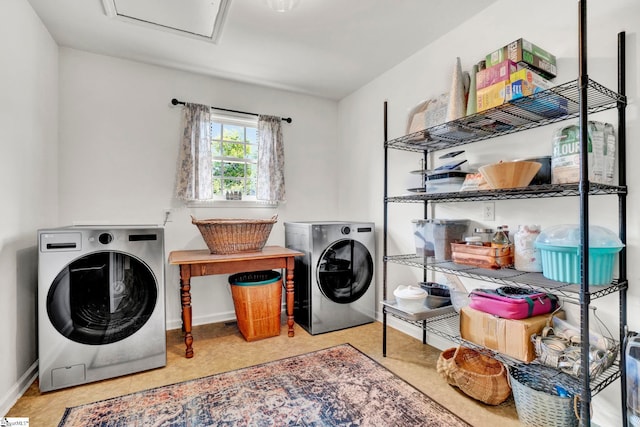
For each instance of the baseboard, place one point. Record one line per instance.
(203, 320)
(14, 393)
(212, 318)
(416, 332)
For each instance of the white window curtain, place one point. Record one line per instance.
(270, 180)
(194, 161)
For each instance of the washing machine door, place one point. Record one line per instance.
(101, 298)
(345, 271)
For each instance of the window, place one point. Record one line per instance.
(234, 153)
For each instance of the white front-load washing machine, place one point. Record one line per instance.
(101, 311)
(334, 286)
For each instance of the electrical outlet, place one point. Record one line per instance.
(166, 213)
(489, 211)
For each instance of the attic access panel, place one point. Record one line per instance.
(201, 19)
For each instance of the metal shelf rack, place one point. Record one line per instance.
(508, 277)
(447, 326)
(582, 97)
(530, 192)
(515, 116)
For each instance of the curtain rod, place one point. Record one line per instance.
(176, 102)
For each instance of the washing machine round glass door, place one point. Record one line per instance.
(345, 271)
(102, 298)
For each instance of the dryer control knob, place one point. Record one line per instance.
(105, 238)
(346, 229)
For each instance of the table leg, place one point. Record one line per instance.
(185, 293)
(289, 293)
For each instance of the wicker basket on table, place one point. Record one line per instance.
(229, 236)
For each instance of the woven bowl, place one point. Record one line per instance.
(229, 236)
(510, 174)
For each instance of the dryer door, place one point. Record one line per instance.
(345, 271)
(102, 298)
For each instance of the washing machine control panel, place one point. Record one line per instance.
(60, 241)
(346, 230)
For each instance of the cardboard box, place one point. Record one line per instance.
(521, 88)
(491, 96)
(531, 77)
(507, 336)
(527, 54)
(495, 74)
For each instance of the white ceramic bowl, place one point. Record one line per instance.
(410, 298)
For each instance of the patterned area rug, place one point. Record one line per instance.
(338, 386)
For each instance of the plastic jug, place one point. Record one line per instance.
(633, 379)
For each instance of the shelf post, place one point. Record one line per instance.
(585, 297)
(384, 234)
(622, 212)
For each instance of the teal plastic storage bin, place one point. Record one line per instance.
(560, 251)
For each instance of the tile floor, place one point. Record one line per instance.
(220, 348)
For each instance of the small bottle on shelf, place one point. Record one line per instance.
(505, 230)
(500, 239)
(486, 234)
(473, 241)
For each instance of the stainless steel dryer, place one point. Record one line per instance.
(334, 285)
(101, 310)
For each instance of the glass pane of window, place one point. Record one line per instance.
(250, 170)
(233, 150)
(217, 186)
(216, 132)
(252, 152)
(233, 185)
(252, 135)
(233, 133)
(215, 148)
(235, 170)
(251, 187)
(217, 169)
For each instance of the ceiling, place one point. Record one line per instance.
(327, 48)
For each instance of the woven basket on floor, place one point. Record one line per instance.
(445, 365)
(477, 375)
(537, 400)
(230, 236)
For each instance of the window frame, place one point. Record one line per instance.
(222, 202)
(216, 155)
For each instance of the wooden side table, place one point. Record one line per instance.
(195, 263)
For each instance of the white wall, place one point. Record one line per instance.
(118, 140)
(550, 24)
(28, 178)
(118, 151)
